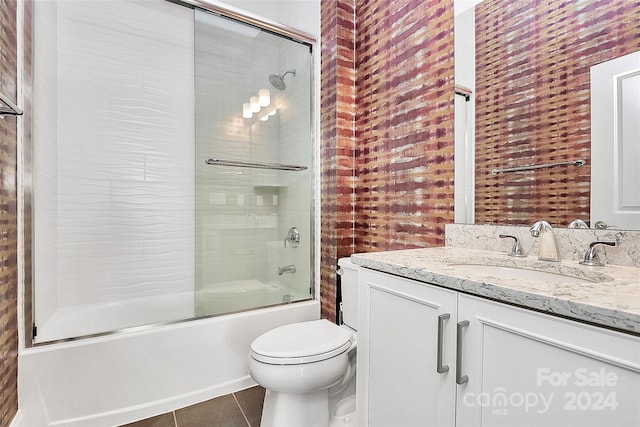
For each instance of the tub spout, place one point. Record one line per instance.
(287, 269)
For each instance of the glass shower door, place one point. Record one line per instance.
(136, 218)
(253, 167)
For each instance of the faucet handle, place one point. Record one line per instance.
(516, 250)
(293, 237)
(591, 257)
(577, 223)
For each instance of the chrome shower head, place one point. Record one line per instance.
(277, 80)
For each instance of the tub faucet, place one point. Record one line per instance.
(548, 249)
(286, 269)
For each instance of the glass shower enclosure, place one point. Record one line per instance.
(172, 169)
(253, 175)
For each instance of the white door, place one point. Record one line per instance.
(615, 142)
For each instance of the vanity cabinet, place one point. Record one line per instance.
(397, 352)
(507, 366)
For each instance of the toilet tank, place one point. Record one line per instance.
(349, 289)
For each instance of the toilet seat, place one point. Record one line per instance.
(300, 343)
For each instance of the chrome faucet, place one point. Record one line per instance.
(577, 223)
(548, 248)
(293, 237)
(286, 269)
(516, 250)
(591, 257)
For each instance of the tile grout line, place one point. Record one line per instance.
(241, 410)
(175, 419)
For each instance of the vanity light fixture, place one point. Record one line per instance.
(264, 97)
(246, 111)
(255, 105)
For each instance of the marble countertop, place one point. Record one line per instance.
(607, 296)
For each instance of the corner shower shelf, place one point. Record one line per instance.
(254, 165)
(7, 107)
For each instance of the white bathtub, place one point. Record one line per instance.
(237, 295)
(116, 379)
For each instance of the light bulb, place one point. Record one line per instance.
(272, 112)
(264, 97)
(246, 111)
(255, 105)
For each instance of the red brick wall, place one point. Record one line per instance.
(404, 122)
(533, 101)
(387, 128)
(337, 137)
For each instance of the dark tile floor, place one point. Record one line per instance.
(241, 409)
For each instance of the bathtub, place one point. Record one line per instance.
(240, 295)
(117, 379)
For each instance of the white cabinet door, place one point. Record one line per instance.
(531, 369)
(398, 380)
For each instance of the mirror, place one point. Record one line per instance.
(525, 69)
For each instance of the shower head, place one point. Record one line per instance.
(277, 81)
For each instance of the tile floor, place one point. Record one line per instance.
(241, 409)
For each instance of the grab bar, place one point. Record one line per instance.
(578, 162)
(10, 108)
(254, 165)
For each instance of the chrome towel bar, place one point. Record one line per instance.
(254, 165)
(578, 162)
(8, 107)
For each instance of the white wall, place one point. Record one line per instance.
(119, 219)
(45, 128)
(465, 76)
(299, 14)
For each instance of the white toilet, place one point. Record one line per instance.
(298, 363)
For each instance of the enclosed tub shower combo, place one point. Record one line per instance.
(172, 181)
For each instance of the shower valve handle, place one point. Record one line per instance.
(293, 237)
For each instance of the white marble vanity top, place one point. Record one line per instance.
(609, 295)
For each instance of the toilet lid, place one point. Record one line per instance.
(303, 342)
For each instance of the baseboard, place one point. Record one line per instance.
(136, 413)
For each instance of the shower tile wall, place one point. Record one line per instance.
(295, 148)
(8, 221)
(226, 203)
(114, 186)
(245, 213)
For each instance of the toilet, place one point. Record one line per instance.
(308, 367)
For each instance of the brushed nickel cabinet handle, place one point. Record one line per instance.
(441, 369)
(460, 379)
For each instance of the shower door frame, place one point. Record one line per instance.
(25, 160)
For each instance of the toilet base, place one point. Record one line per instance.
(295, 409)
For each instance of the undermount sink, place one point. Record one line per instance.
(506, 272)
